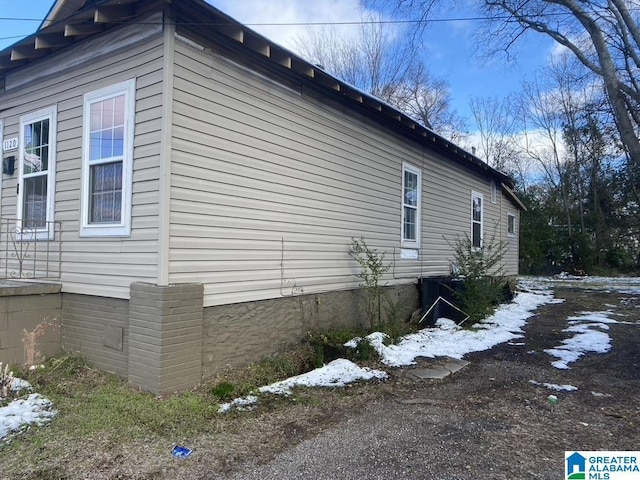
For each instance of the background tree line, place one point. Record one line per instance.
(569, 138)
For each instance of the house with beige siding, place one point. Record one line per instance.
(188, 189)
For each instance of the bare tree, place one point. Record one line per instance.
(543, 137)
(602, 34)
(385, 63)
(427, 99)
(496, 126)
(378, 58)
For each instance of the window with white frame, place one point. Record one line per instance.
(107, 167)
(411, 199)
(511, 224)
(477, 206)
(494, 192)
(36, 171)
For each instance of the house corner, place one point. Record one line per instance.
(165, 336)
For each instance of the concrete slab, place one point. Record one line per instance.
(455, 365)
(433, 373)
(440, 370)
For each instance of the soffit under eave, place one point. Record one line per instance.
(60, 10)
(60, 34)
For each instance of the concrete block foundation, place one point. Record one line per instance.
(163, 340)
(29, 322)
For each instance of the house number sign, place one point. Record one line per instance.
(10, 144)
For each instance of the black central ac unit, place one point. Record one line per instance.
(447, 288)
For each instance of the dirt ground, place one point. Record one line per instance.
(486, 422)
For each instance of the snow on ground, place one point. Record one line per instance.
(33, 410)
(625, 285)
(590, 336)
(554, 386)
(450, 340)
(338, 373)
(446, 340)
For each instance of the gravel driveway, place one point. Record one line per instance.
(488, 421)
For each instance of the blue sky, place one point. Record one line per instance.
(449, 46)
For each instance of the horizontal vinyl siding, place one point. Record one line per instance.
(269, 185)
(98, 266)
(511, 258)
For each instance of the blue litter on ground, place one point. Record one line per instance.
(181, 452)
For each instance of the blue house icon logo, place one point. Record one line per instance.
(576, 467)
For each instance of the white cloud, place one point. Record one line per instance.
(558, 51)
(290, 15)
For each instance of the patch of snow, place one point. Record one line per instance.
(243, 403)
(450, 340)
(338, 373)
(34, 410)
(598, 394)
(624, 285)
(554, 386)
(587, 339)
(18, 384)
(597, 317)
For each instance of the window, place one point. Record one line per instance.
(36, 171)
(494, 192)
(411, 186)
(511, 224)
(107, 167)
(476, 219)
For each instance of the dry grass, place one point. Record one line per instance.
(106, 430)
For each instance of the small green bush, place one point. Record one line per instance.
(224, 391)
(372, 269)
(482, 272)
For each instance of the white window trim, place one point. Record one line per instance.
(51, 114)
(475, 195)
(515, 224)
(411, 243)
(123, 228)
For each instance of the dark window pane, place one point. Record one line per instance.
(410, 188)
(105, 195)
(477, 235)
(44, 159)
(34, 211)
(477, 209)
(410, 221)
(36, 147)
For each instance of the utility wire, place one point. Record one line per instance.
(315, 24)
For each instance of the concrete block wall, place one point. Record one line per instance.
(163, 340)
(165, 336)
(97, 328)
(238, 334)
(29, 322)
